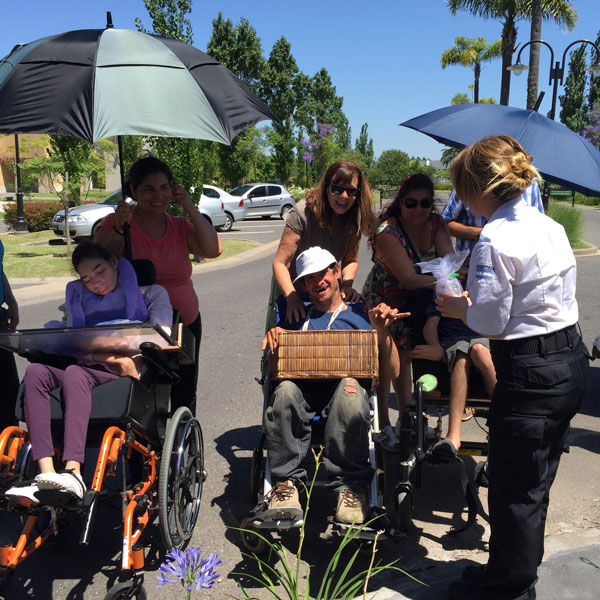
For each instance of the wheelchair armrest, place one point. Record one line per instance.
(160, 360)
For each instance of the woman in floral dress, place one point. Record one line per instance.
(410, 231)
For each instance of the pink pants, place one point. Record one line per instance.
(77, 383)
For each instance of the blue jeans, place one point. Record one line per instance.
(287, 425)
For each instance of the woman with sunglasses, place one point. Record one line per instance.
(521, 294)
(333, 216)
(410, 231)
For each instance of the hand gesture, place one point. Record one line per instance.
(383, 315)
(182, 198)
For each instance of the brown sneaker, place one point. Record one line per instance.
(351, 507)
(283, 502)
(468, 414)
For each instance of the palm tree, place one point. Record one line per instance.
(471, 52)
(509, 12)
(534, 53)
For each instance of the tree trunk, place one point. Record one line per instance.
(509, 37)
(534, 53)
(476, 86)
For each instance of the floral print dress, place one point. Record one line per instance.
(382, 286)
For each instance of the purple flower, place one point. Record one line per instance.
(305, 143)
(324, 129)
(188, 568)
(308, 157)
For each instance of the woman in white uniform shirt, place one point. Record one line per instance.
(521, 294)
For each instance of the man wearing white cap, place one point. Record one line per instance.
(344, 403)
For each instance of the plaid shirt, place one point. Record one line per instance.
(455, 210)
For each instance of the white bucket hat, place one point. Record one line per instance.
(313, 260)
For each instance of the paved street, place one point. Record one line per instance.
(233, 296)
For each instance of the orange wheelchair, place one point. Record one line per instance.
(132, 426)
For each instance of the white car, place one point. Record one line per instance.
(235, 208)
(264, 199)
(85, 219)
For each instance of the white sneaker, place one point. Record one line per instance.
(66, 481)
(23, 493)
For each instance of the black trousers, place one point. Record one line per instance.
(10, 388)
(541, 385)
(184, 394)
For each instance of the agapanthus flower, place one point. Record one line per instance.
(188, 568)
(308, 157)
(305, 143)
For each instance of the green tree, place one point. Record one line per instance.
(343, 137)
(594, 88)
(391, 167)
(131, 149)
(572, 113)
(471, 52)
(510, 12)
(169, 18)
(364, 145)
(238, 48)
(534, 53)
(277, 88)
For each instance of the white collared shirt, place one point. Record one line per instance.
(522, 275)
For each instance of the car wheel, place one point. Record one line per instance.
(228, 223)
(285, 210)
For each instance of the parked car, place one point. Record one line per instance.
(235, 209)
(85, 219)
(264, 200)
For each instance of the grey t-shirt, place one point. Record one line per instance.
(303, 222)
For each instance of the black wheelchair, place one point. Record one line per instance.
(418, 437)
(132, 426)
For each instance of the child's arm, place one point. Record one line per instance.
(432, 350)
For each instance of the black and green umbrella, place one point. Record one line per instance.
(97, 83)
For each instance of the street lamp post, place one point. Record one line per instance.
(21, 223)
(557, 72)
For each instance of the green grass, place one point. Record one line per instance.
(569, 218)
(42, 254)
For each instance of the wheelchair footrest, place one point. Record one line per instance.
(58, 499)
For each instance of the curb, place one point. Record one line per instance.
(591, 251)
(30, 290)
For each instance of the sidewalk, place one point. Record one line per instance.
(566, 575)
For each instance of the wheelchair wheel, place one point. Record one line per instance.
(251, 541)
(181, 479)
(126, 589)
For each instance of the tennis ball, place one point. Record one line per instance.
(429, 382)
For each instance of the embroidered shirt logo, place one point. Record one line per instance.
(484, 272)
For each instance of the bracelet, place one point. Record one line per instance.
(117, 231)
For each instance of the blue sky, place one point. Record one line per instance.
(383, 56)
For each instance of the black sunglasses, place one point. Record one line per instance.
(413, 202)
(338, 190)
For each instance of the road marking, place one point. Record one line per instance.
(246, 232)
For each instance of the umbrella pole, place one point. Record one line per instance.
(121, 168)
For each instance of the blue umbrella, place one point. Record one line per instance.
(560, 155)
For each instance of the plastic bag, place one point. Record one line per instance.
(445, 271)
